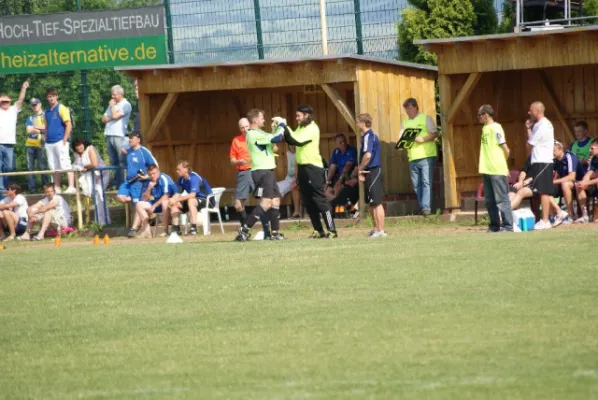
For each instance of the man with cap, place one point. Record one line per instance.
(311, 174)
(8, 132)
(34, 145)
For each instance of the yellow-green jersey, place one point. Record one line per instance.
(259, 144)
(492, 156)
(308, 151)
(423, 126)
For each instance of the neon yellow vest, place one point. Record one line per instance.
(492, 157)
(420, 150)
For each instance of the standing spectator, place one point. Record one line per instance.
(58, 133)
(540, 136)
(422, 154)
(581, 146)
(13, 213)
(52, 209)
(116, 119)
(370, 172)
(289, 183)
(36, 128)
(569, 170)
(341, 164)
(587, 186)
(8, 132)
(239, 157)
(494, 153)
(87, 157)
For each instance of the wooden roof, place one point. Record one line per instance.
(337, 58)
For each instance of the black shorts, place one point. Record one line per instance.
(542, 182)
(265, 184)
(558, 190)
(374, 186)
(201, 203)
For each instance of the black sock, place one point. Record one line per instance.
(255, 216)
(275, 218)
(265, 220)
(176, 229)
(194, 227)
(243, 216)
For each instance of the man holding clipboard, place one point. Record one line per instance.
(418, 136)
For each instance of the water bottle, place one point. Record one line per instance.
(226, 217)
(349, 207)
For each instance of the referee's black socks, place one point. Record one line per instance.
(255, 216)
(243, 216)
(275, 218)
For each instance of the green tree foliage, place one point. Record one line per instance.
(508, 17)
(435, 19)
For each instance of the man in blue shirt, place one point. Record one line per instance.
(191, 197)
(569, 170)
(587, 186)
(341, 163)
(154, 199)
(138, 159)
(370, 172)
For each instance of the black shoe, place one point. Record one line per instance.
(332, 235)
(132, 233)
(277, 236)
(243, 234)
(318, 235)
(193, 232)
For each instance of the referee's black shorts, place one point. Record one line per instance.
(542, 173)
(265, 184)
(374, 186)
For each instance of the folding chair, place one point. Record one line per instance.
(205, 212)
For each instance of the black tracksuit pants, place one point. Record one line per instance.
(311, 181)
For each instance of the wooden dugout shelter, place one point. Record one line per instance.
(191, 111)
(509, 72)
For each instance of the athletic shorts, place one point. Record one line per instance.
(265, 184)
(58, 155)
(201, 203)
(158, 209)
(20, 228)
(542, 174)
(285, 186)
(133, 190)
(374, 186)
(244, 185)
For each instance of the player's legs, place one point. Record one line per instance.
(193, 204)
(305, 188)
(567, 188)
(10, 220)
(582, 200)
(518, 197)
(296, 196)
(165, 215)
(47, 218)
(317, 179)
(142, 213)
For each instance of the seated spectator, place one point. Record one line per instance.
(87, 157)
(154, 199)
(13, 213)
(568, 170)
(289, 183)
(342, 163)
(138, 159)
(192, 197)
(53, 209)
(523, 188)
(581, 146)
(587, 186)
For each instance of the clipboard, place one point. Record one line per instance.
(407, 139)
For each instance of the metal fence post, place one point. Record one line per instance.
(85, 97)
(258, 29)
(169, 39)
(358, 31)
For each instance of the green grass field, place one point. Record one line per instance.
(429, 313)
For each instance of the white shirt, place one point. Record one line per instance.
(118, 127)
(291, 165)
(542, 142)
(21, 208)
(8, 125)
(62, 208)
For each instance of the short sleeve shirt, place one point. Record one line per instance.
(593, 164)
(542, 142)
(370, 143)
(341, 159)
(8, 125)
(239, 151)
(195, 184)
(164, 186)
(138, 160)
(569, 163)
(21, 208)
(118, 127)
(36, 121)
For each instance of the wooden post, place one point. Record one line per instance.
(78, 195)
(451, 196)
(358, 110)
(324, 27)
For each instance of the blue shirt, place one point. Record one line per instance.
(370, 143)
(568, 164)
(165, 185)
(138, 160)
(195, 184)
(55, 123)
(341, 159)
(593, 164)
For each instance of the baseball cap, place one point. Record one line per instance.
(34, 101)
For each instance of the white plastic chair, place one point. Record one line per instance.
(205, 212)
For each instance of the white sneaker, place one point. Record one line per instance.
(57, 190)
(516, 229)
(560, 218)
(378, 234)
(372, 232)
(70, 190)
(583, 220)
(541, 225)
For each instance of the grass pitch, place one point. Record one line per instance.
(420, 315)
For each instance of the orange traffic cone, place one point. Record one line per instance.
(96, 240)
(57, 241)
(106, 239)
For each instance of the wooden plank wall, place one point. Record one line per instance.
(201, 126)
(511, 93)
(382, 91)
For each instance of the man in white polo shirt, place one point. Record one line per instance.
(116, 119)
(540, 136)
(8, 132)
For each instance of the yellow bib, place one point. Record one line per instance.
(420, 150)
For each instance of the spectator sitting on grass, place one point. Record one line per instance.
(13, 213)
(568, 170)
(53, 209)
(587, 186)
(523, 188)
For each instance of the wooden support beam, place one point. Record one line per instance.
(451, 196)
(340, 105)
(556, 105)
(360, 107)
(161, 116)
(463, 95)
